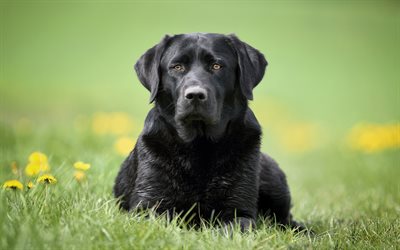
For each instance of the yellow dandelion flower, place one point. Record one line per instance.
(81, 165)
(30, 185)
(124, 145)
(37, 163)
(38, 158)
(100, 123)
(13, 184)
(299, 137)
(121, 123)
(116, 123)
(47, 179)
(34, 169)
(14, 168)
(79, 175)
(372, 138)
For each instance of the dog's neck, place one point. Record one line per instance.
(160, 125)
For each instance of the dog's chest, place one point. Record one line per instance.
(182, 180)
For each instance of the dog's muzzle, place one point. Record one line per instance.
(195, 104)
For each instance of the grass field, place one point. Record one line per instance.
(329, 107)
(350, 200)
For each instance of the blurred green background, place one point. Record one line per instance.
(332, 64)
(335, 62)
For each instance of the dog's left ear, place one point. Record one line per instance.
(252, 65)
(148, 67)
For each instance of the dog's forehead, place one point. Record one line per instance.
(196, 43)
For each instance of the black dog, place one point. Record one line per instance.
(201, 142)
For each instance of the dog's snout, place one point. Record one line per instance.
(195, 93)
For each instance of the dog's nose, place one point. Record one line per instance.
(195, 93)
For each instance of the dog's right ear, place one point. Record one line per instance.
(148, 67)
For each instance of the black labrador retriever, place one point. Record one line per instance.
(200, 145)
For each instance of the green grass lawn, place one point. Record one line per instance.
(350, 199)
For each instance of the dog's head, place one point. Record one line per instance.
(201, 81)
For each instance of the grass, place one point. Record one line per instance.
(350, 199)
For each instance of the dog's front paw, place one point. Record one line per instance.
(244, 224)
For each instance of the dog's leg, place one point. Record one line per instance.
(274, 198)
(125, 181)
(245, 224)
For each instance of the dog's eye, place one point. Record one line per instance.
(178, 67)
(216, 66)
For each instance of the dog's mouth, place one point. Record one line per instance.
(195, 118)
(194, 124)
(196, 121)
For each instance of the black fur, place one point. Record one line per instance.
(203, 150)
